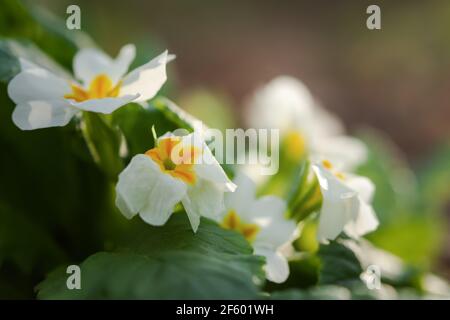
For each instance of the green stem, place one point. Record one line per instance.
(103, 142)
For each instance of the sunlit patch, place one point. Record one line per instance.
(101, 87)
(232, 222)
(296, 145)
(178, 164)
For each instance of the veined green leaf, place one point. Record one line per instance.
(169, 262)
(339, 265)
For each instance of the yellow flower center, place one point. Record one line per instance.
(296, 145)
(101, 87)
(181, 167)
(232, 222)
(328, 165)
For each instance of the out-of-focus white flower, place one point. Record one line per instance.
(286, 104)
(45, 99)
(177, 169)
(262, 222)
(345, 205)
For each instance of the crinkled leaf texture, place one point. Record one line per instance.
(169, 262)
(339, 264)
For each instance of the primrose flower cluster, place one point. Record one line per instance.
(182, 170)
(309, 130)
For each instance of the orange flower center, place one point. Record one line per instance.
(232, 222)
(175, 159)
(101, 87)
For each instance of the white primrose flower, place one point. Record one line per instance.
(176, 169)
(345, 205)
(262, 222)
(45, 99)
(286, 104)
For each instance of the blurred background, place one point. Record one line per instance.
(389, 86)
(395, 79)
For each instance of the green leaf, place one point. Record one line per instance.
(53, 191)
(304, 196)
(9, 64)
(136, 124)
(31, 249)
(177, 234)
(12, 50)
(169, 262)
(297, 191)
(177, 115)
(103, 141)
(303, 273)
(339, 265)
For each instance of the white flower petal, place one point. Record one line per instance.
(143, 188)
(122, 63)
(147, 79)
(363, 185)
(203, 199)
(334, 216)
(340, 205)
(268, 213)
(37, 84)
(281, 104)
(165, 193)
(90, 62)
(171, 57)
(254, 171)
(27, 65)
(215, 173)
(103, 105)
(42, 114)
(325, 123)
(277, 267)
(345, 152)
(242, 199)
(134, 185)
(331, 187)
(365, 222)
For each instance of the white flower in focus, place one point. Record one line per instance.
(177, 169)
(262, 222)
(45, 99)
(345, 205)
(286, 104)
